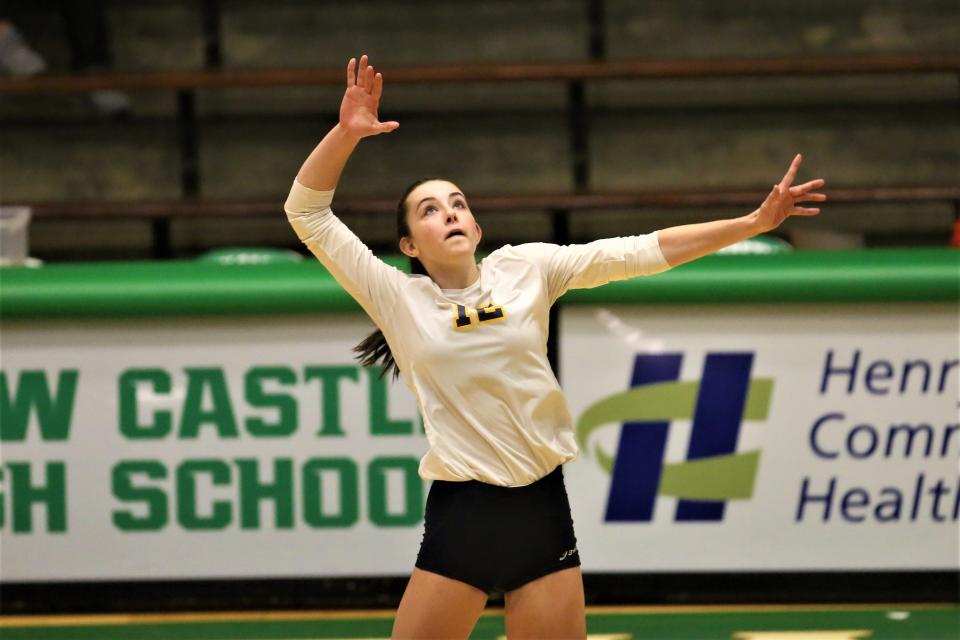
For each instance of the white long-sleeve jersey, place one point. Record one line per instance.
(476, 358)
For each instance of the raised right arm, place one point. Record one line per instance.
(370, 281)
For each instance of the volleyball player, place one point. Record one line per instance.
(469, 341)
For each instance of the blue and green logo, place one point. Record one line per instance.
(714, 471)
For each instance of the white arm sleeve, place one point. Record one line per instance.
(583, 266)
(373, 283)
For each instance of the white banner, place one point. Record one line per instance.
(764, 437)
(205, 448)
(743, 438)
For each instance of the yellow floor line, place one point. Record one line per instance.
(853, 634)
(266, 616)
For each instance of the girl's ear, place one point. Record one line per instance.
(479, 232)
(409, 249)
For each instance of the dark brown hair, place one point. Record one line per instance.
(374, 350)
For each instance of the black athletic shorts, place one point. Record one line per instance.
(498, 538)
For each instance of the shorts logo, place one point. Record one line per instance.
(567, 553)
(713, 471)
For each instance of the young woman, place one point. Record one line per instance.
(469, 340)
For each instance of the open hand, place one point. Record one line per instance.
(782, 201)
(358, 111)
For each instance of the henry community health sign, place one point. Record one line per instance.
(774, 437)
(712, 438)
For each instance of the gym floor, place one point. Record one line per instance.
(802, 622)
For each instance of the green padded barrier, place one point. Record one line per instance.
(250, 255)
(201, 288)
(757, 245)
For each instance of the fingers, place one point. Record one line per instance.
(804, 211)
(791, 172)
(368, 79)
(362, 74)
(377, 87)
(387, 127)
(797, 193)
(803, 189)
(806, 186)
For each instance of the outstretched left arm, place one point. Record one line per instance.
(688, 242)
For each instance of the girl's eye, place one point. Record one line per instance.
(429, 208)
(460, 204)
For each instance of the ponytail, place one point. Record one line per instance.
(373, 350)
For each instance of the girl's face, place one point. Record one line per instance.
(442, 228)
